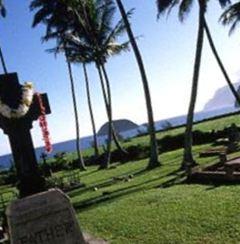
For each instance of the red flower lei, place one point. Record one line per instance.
(43, 124)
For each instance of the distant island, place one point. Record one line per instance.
(120, 125)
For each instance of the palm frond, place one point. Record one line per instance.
(40, 16)
(224, 3)
(184, 9)
(118, 30)
(83, 29)
(165, 6)
(231, 16)
(3, 11)
(106, 13)
(114, 48)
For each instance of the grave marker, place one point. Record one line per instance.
(45, 218)
(18, 131)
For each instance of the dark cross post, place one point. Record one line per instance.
(18, 131)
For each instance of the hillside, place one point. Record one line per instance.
(222, 98)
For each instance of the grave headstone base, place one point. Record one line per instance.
(44, 218)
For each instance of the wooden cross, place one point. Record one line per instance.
(18, 131)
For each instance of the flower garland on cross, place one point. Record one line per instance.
(25, 103)
(43, 124)
(23, 108)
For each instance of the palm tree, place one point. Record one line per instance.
(153, 161)
(231, 16)
(113, 131)
(95, 142)
(56, 17)
(79, 154)
(105, 165)
(184, 8)
(220, 63)
(3, 14)
(95, 38)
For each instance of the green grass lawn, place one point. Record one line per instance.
(157, 206)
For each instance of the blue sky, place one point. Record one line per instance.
(168, 49)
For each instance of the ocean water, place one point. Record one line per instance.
(86, 142)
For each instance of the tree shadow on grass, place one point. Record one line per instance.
(108, 197)
(88, 173)
(113, 180)
(108, 182)
(178, 180)
(116, 179)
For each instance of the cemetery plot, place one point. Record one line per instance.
(69, 181)
(222, 172)
(213, 152)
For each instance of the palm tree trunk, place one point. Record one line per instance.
(80, 158)
(95, 143)
(115, 139)
(188, 160)
(109, 141)
(215, 53)
(153, 161)
(3, 62)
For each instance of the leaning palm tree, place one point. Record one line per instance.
(231, 16)
(220, 63)
(95, 34)
(57, 18)
(3, 14)
(84, 60)
(184, 9)
(72, 83)
(95, 142)
(96, 17)
(153, 161)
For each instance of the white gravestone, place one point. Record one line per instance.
(44, 218)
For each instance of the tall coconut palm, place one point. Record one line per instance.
(95, 142)
(220, 63)
(231, 16)
(3, 14)
(99, 19)
(184, 8)
(79, 154)
(55, 15)
(108, 88)
(153, 161)
(96, 34)
(113, 49)
(81, 58)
